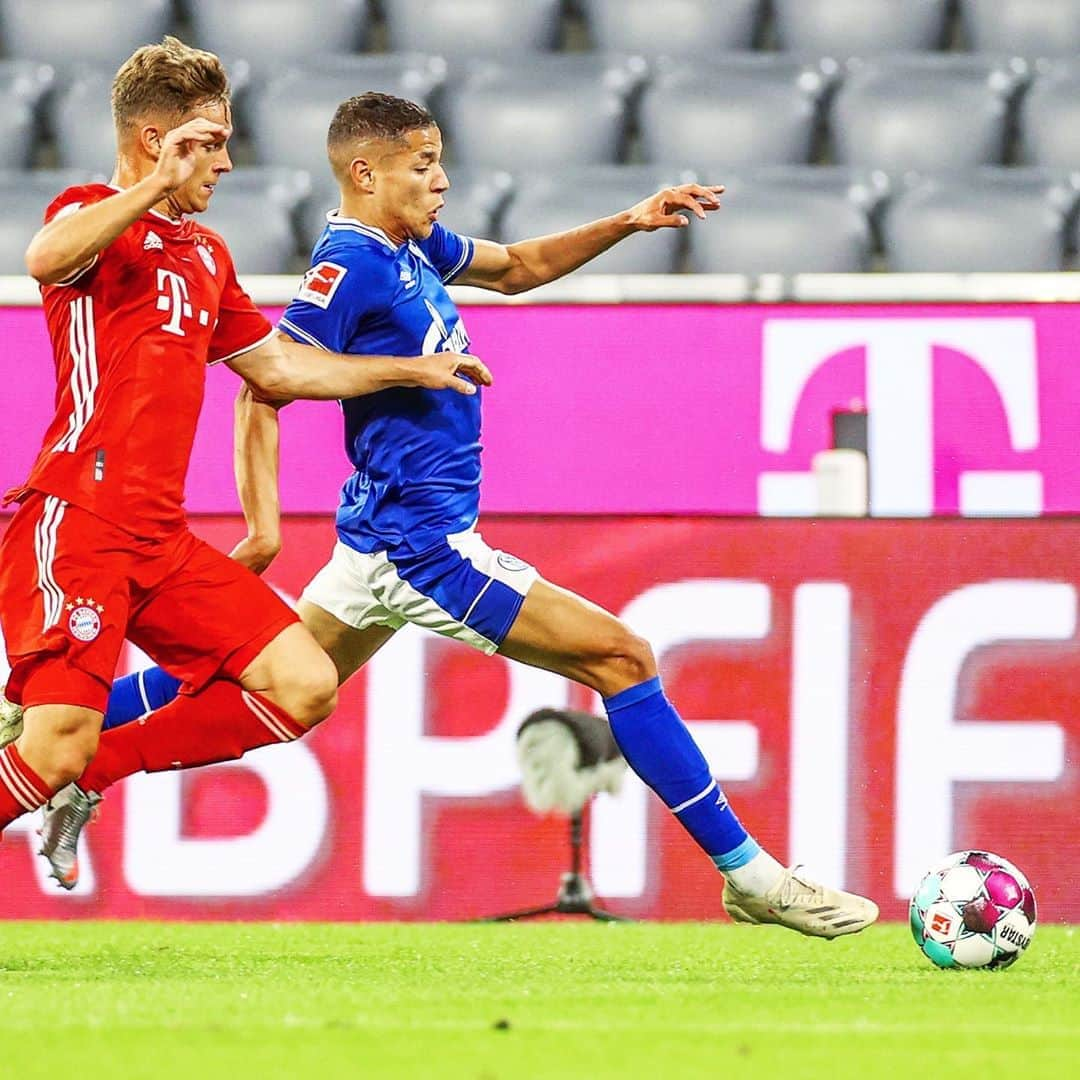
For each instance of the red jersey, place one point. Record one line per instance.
(132, 335)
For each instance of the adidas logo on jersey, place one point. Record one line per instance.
(153, 242)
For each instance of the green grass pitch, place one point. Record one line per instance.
(564, 1001)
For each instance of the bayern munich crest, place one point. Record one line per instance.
(84, 619)
(207, 257)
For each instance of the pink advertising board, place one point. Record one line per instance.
(689, 409)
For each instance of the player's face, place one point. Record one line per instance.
(211, 161)
(411, 183)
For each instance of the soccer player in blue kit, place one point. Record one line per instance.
(407, 548)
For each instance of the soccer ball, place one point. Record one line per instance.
(973, 910)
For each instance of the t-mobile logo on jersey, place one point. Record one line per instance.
(899, 376)
(173, 298)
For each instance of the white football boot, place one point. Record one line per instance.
(11, 716)
(63, 818)
(803, 905)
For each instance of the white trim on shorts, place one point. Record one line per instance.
(364, 589)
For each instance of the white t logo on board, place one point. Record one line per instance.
(899, 390)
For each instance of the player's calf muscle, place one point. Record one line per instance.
(58, 742)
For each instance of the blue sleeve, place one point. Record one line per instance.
(333, 298)
(447, 252)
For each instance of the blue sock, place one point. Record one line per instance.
(658, 747)
(136, 695)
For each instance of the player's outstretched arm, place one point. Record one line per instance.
(70, 242)
(514, 268)
(256, 458)
(284, 370)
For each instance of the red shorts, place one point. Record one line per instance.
(73, 586)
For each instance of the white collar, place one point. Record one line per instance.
(334, 217)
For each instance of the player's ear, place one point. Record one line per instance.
(361, 174)
(149, 139)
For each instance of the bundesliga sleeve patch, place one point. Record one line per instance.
(320, 283)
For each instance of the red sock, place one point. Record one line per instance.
(21, 789)
(219, 723)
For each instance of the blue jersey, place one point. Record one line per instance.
(416, 452)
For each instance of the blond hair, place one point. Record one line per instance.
(169, 80)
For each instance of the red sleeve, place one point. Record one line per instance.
(74, 198)
(241, 326)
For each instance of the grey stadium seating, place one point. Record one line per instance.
(23, 85)
(90, 32)
(1050, 117)
(685, 27)
(987, 220)
(254, 210)
(289, 118)
(843, 28)
(735, 110)
(1030, 28)
(781, 226)
(23, 199)
(268, 31)
(924, 112)
(473, 27)
(562, 200)
(540, 110)
(81, 122)
(868, 189)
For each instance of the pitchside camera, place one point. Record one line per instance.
(566, 758)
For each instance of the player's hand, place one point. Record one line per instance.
(256, 552)
(661, 210)
(450, 371)
(180, 147)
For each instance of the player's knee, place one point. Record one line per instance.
(313, 692)
(70, 756)
(628, 660)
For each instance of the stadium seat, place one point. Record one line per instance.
(1050, 117)
(781, 227)
(736, 110)
(253, 209)
(562, 200)
(264, 31)
(82, 124)
(1030, 28)
(868, 189)
(473, 27)
(843, 28)
(23, 198)
(92, 32)
(687, 27)
(924, 113)
(16, 130)
(984, 220)
(23, 85)
(540, 110)
(289, 117)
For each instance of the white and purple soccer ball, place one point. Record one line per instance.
(973, 910)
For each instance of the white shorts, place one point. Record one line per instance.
(461, 589)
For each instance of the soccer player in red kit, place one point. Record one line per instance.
(139, 299)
